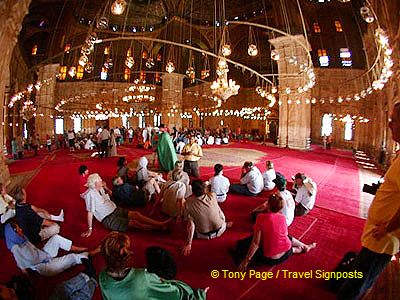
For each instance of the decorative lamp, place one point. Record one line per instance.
(170, 67)
(252, 50)
(118, 7)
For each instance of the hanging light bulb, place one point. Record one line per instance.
(67, 48)
(118, 7)
(83, 60)
(274, 89)
(275, 55)
(226, 50)
(191, 73)
(366, 14)
(102, 23)
(204, 74)
(72, 72)
(252, 50)
(109, 63)
(85, 50)
(89, 67)
(129, 62)
(170, 67)
(150, 63)
(91, 39)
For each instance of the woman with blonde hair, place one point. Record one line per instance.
(120, 281)
(269, 175)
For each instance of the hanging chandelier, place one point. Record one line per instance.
(129, 62)
(224, 88)
(28, 110)
(150, 63)
(221, 87)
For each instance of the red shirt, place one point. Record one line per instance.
(82, 182)
(274, 233)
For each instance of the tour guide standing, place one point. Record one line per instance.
(380, 239)
(192, 152)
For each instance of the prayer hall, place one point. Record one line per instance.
(191, 150)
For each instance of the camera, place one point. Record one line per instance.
(371, 189)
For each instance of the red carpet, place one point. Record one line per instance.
(56, 187)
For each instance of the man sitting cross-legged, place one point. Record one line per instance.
(219, 183)
(38, 224)
(251, 181)
(99, 205)
(306, 191)
(204, 215)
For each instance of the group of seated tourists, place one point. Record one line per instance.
(179, 198)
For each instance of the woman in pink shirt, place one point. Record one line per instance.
(270, 244)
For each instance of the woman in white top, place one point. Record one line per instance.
(269, 175)
(219, 183)
(148, 180)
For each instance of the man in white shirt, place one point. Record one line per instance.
(99, 205)
(305, 196)
(219, 183)
(251, 181)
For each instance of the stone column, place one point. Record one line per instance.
(11, 15)
(294, 112)
(45, 101)
(171, 102)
